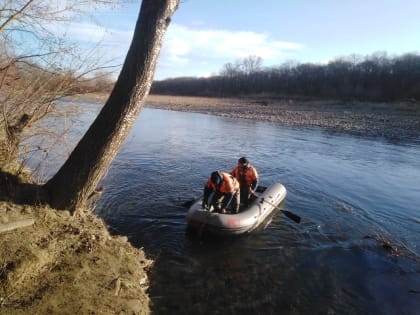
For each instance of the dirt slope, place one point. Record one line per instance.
(67, 265)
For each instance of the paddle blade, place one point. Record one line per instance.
(292, 216)
(188, 204)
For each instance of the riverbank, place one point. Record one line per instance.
(391, 120)
(55, 263)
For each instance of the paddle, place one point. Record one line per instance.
(189, 203)
(288, 214)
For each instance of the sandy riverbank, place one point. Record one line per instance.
(55, 263)
(390, 120)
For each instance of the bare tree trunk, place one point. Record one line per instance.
(87, 164)
(9, 143)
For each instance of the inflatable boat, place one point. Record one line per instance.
(265, 202)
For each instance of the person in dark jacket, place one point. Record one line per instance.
(221, 190)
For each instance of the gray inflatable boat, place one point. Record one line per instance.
(247, 220)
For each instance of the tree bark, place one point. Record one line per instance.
(80, 174)
(9, 143)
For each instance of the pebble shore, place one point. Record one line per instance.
(394, 121)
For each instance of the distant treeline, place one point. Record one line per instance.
(374, 78)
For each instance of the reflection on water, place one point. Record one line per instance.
(355, 195)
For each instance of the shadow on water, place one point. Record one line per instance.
(275, 270)
(218, 280)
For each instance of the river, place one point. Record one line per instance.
(356, 250)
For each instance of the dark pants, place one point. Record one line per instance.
(245, 194)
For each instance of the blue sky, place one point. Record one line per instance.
(206, 34)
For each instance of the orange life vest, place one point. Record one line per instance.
(228, 185)
(245, 175)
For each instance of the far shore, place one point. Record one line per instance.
(391, 120)
(394, 121)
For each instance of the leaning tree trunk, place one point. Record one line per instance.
(87, 164)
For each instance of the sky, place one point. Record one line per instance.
(204, 35)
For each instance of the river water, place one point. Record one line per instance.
(356, 250)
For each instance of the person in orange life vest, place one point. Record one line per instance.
(247, 176)
(220, 191)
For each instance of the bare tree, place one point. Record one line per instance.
(37, 68)
(82, 171)
(247, 65)
(252, 64)
(231, 70)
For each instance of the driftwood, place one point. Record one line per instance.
(5, 227)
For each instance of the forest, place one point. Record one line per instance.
(377, 77)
